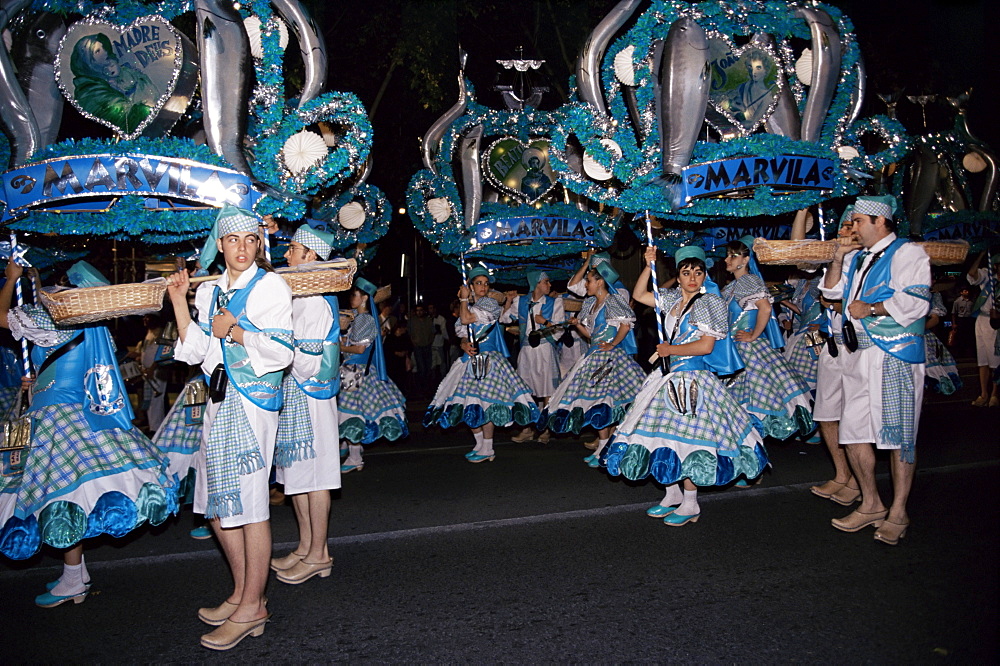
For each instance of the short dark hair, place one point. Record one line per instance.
(738, 248)
(693, 262)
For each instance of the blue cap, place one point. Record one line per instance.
(689, 252)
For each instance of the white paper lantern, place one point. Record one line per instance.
(624, 71)
(595, 169)
(303, 150)
(804, 67)
(252, 25)
(439, 208)
(351, 216)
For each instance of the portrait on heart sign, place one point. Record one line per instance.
(519, 169)
(120, 76)
(745, 83)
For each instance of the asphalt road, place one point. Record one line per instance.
(538, 558)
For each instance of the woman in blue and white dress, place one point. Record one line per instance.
(371, 406)
(481, 389)
(88, 470)
(801, 349)
(684, 428)
(600, 387)
(942, 370)
(769, 388)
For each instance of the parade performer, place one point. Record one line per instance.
(243, 341)
(371, 406)
(538, 359)
(986, 337)
(768, 388)
(577, 284)
(481, 389)
(941, 367)
(307, 451)
(829, 403)
(684, 428)
(601, 386)
(802, 347)
(886, 291)
(88, 470)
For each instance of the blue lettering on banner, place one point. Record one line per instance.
(518, 229)
(784, 172)
(54, 184)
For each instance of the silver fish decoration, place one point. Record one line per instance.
(682, 395)
(860, 89)
(472, 179)
(311, 44)
(588, 64)
(432, 139)
(988, 198)
(825, 70)
(35, 56)
(226, 77)
(672, 395)
(922, 183)
(684, 81)
(784, 119)
(694, 396)
(15, 112)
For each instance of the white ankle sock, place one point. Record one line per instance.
(487, 447)
(673, 496)
(354, 452)
(601, 443)
(689, 506)
(71, 581)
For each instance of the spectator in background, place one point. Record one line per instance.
(438, 358)
(397, 348)
(963, 319)
(386, 320)
(422, 336)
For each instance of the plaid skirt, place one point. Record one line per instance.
(179, 441)
(942, 370)
(373, 411)
(803, 359)
(597, 392)
(500, 397)
(685, 425)
(770, 390)
(78, 483)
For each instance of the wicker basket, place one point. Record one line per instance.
(945, 253)
(321, 280)
(90, 304)
(790, 253)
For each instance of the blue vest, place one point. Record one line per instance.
(742, 320)
(87, 374)
(548, 307)
(904, 342)
(264, 391)
(491, 341)
(375, 348)
(604, 332)
(812, 313)
(325, 383)
(724, 358)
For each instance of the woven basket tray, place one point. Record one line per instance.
(945, 253)
(89, 304)
(789, 253)
(319, 281)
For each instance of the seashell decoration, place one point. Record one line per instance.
(624, 70)
(595, 169)
(804, 67)
(351, 216)
(848, 153)
(303, 150)
(439, 208)
(252, 26)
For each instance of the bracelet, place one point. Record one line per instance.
(463, 300)
(229, 334)
(872, 306)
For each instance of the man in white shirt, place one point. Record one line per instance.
(886, 293)
(986, 355)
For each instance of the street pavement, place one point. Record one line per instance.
(537, 558)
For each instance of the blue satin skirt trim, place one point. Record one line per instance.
(475, 416)
(63, 524)
(636, 462)
(598, 417)
(364, 431)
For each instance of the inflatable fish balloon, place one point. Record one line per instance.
(35, 58)
(311, 44)
(825, 70)
(472, 181)
(18, 119)
(432, 139)
(684, 85)
(588, 65)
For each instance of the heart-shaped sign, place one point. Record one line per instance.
(125, 76)
(745, 85)
(518, 169)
